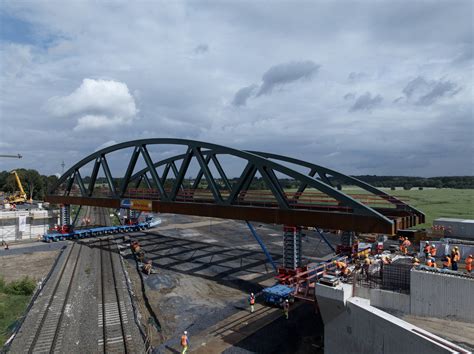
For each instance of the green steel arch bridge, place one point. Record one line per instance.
(196, 181)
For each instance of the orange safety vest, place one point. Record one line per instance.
(469, 264)
(433, 251)
(447, 262)
(184, 340)
(457, 256)
(427, 249)
(252, 300)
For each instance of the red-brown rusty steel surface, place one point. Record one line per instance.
(329, 220)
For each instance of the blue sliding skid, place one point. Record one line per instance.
(98, 231)
(259, 240)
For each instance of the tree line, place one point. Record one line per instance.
(34, 184)
(37, 185)
(458, 182)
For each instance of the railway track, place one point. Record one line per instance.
(49, 330)
(112, 319)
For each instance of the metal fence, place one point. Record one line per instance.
(394, 276)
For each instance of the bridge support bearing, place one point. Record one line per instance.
(65, 215)
(292, 247)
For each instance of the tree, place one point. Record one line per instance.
(34, 183)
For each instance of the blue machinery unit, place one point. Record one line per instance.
(98, 231)
(277, 294)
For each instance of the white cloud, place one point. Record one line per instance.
(188, 95)
(96, 104)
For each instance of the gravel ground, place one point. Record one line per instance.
(28, 248)
(80, 331)
(205, 272)
(35, 265)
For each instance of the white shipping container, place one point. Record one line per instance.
(456, 228)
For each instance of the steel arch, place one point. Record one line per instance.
(286, 210)
(321, 171)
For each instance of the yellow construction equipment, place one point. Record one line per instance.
(19, 196)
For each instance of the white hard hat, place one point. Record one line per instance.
(286, 300)
(251, 294)
(185, 332)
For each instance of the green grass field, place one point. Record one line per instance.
(437, 203)
(11, 309)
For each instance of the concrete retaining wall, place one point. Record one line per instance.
(442, 296)
(37, 223)
(444, 248)
(362, 328)
(390, 300)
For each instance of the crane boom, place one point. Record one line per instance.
(18, 156)
(18, 182)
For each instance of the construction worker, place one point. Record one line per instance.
(415, 261)
(446, 262)
(184, 342)
(252, 302)
(427, 249)
(286, 308)
(400, 240)
(468, 262)
(431, 262)
(147, 267)
(455, 258)
(366, 265)
(341, 267)
(433, 250)
(405, 245)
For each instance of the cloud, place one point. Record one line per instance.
(283, 74)
(356, 76)
(192, 99)
(366, 102)
(201, 49)
(16, 58)
(349, 96)
(426, 92)
(241, 96)
(96, 104)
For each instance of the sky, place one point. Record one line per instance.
(362, 87)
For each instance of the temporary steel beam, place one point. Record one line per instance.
(262, 245)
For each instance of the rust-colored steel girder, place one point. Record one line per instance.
(330, 220)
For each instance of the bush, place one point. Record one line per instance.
(25, 286)
(2, 285)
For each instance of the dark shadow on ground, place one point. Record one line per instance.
(301, 333)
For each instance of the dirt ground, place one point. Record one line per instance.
(178, 299)
(36, 265)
